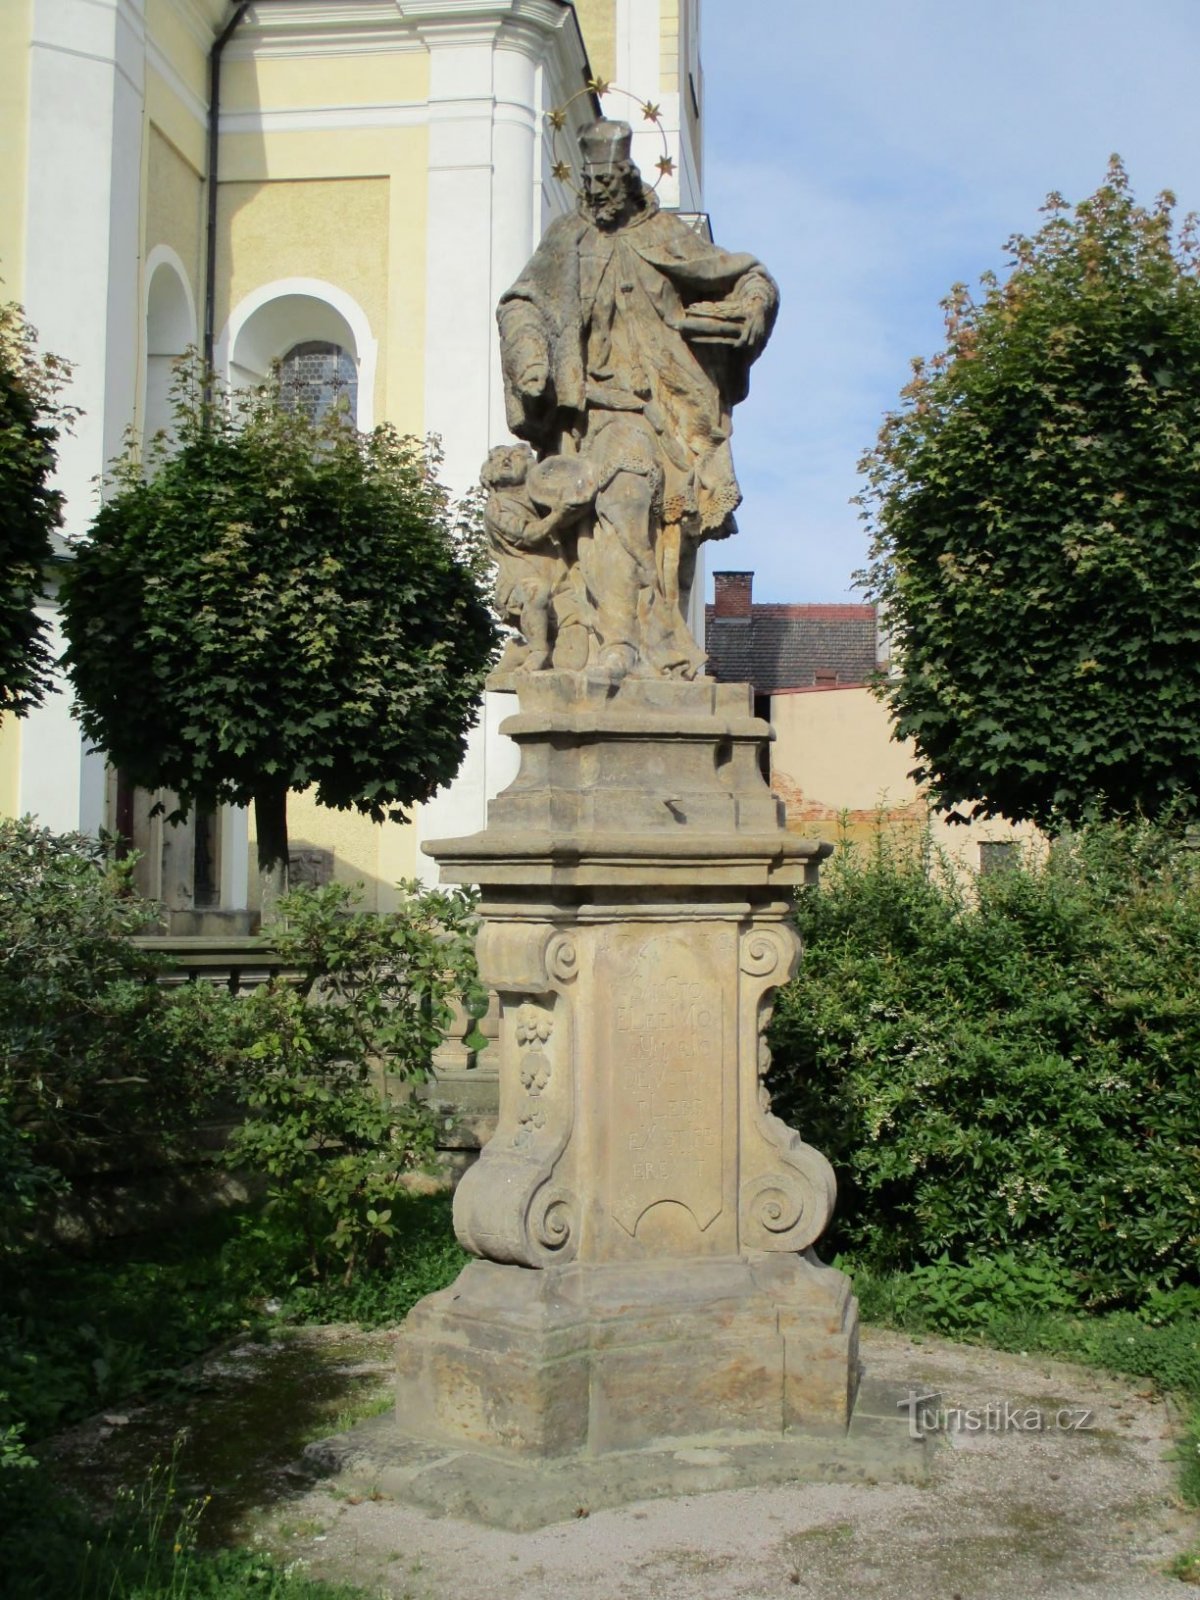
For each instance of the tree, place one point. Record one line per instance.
(30, 510)
(1035, 512)
(279, 604)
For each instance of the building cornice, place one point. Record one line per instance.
(279, 28)
(203, 19)
(326, 119)
(323, 28)
(161, 64)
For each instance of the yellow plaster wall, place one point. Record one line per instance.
(15, 21)
(185, 47)
(668, 36)
(316, 181)
(175, 208)
(598, 25)
(300, 83)
(10, 766)
(403, 375)
(175, 121)
(307, 154)
(837, 768)
(375, 855)
(336, 230)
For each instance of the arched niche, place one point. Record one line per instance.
(170, 332)
(281, 316)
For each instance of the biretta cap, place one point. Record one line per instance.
(604, 143)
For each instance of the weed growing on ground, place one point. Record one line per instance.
(50, 1549)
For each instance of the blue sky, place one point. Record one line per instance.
(874, 152)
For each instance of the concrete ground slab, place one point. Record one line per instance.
(1006, 1513)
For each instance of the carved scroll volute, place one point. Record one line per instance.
(787, 1188)
(514, 1204)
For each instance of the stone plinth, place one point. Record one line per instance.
(643, 1221)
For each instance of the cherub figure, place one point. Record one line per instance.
(529, 504)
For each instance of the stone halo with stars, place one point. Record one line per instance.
(556, 121)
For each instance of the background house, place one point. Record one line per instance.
(345, 186)
(833, 761)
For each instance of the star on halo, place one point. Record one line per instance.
(561, 171)
(557, 118)
(665, 165)
(599, 86)
(651, 112)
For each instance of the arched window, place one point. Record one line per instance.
(170, 331)
(316, 377)
(285, 323)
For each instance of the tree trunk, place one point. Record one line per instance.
(270, 821)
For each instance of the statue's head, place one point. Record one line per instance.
(506, 466)
(612, 184)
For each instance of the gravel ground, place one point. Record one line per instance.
(1085, 1508)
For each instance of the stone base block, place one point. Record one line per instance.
(590, 1359)
(519, 1493)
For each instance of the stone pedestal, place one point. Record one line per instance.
(643, 1220)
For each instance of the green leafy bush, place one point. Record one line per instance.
(100, 1064)
(95, 1058)
(326, 1073)
(1011, 1071)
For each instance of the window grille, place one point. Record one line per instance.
(317, 377)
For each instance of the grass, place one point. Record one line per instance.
(1160, 1343)
(79, 1334)
(83, 1333)
(50, 1549)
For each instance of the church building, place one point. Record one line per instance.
(343, 187)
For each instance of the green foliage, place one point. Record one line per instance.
(99, 1062)
(279, 605)
(31, 416)
(1034, 506)
(326, 1122)
(966, 1298)
(1010, 1075)
(145, 1550)
(94, 1057)
(418, 1255)
(78, 1332)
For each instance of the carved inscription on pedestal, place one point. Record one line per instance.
(664, 1051)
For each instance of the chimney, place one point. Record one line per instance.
(732, 594)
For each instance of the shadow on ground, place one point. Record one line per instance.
(236, 1426)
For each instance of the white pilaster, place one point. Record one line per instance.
(487, 75)
(82, 247)
(82, 241)
(61, 780)
(458, 293)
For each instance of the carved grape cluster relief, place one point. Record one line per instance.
(533, 1024)
(533, 1028)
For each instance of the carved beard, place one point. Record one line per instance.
(608, 210)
